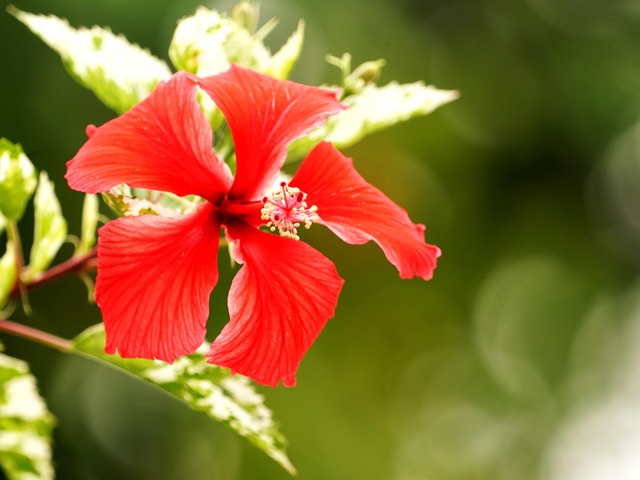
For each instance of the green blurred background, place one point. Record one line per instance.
(518, 361)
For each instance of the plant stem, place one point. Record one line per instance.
(14, 237)
(79, 264)
(36, 335)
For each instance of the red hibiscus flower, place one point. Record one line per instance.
(155, 274)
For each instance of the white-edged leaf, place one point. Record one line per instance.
(50, 229)
(25, 424)
(119, 73)
(374, 108)
(229, 399)
(17, 180)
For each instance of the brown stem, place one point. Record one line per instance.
(79, 264)
(36, 335)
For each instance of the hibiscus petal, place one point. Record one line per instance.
(155, 276)
(357, 212)
(163, 143)
(264, 116)
(278, 303)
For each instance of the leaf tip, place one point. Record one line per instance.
(13, 10)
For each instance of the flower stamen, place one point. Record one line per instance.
(285, 209)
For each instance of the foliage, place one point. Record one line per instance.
(121, 74)
(228, 399)
(25, 424)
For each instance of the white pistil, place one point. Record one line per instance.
(285, 209)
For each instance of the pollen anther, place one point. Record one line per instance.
(285, 209)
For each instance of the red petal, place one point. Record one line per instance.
(265, 115)
(163, 143)
(155, 276)
(278, 303)
(358, 212)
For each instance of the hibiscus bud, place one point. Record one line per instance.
(8, 273)
(208, 41)
(368, 72)
(17, 180)
(90, 214)
(198, 43)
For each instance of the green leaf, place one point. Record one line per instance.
(17, 180)
(208, 41)
(8, 273)
(374, 108)
(90, 216)
(231, 400)
(25, 424)
(119, 73)
(50, 229)
(283, 61)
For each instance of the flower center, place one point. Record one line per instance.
(285, 208)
